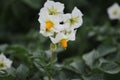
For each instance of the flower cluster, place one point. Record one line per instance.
(57, 25)
(114, 11)
(4, 62)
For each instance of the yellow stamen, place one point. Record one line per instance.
(115, 12)
(52, 11)
(73, 20)
(64, 43)
(49, 25)
(2, 65)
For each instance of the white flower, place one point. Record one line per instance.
(48, 25)
(75, 19)
(56, 25)
(63, 38)
(52, 8)
(114, 11)
(5, 63)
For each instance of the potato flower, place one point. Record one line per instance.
(52, 8)
(75, 19)
(114, 11)
(5, 63)
(49, 25)
(63, 38)
(57, 25)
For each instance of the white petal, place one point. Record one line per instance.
(57, 38)
(49, 3)
(56, 5)
(8, 63)
(111, 9)
(62, 19)
(59, 6)
(80, 22)
(76, 12)
(2, 57)
(46, 34)
(53, 40)
(71, 36)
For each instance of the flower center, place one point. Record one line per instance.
(73, 20)
(49, 25)
(2, 65)
(64, 43)
(52, 11)
(115, 12)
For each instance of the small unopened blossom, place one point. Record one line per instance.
(5, 63)
(114, 11)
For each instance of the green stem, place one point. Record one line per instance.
(50, 64)
(52, 57)
(49, 76)
(52, 48)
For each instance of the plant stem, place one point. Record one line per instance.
(49, 76)
(52, 48)
(52, 57)
(51, 63)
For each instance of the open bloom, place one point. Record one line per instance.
(49, 25)
(63, 38)
(75, 19)
(5, 63)
(114, 11)
(52, 8)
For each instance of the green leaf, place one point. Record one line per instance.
(3, 47)
(109, 67)
(76, 79)
(90, 58)
(65, 75)
(79, 66)
(95, 76)
(22, 72)
(7, 78)
(16, 49)
(11, 71)
(19, 53)
(33, 3)
(106, 49)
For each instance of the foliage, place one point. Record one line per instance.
(95, 55)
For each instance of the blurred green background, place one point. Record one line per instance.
(19, 26)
